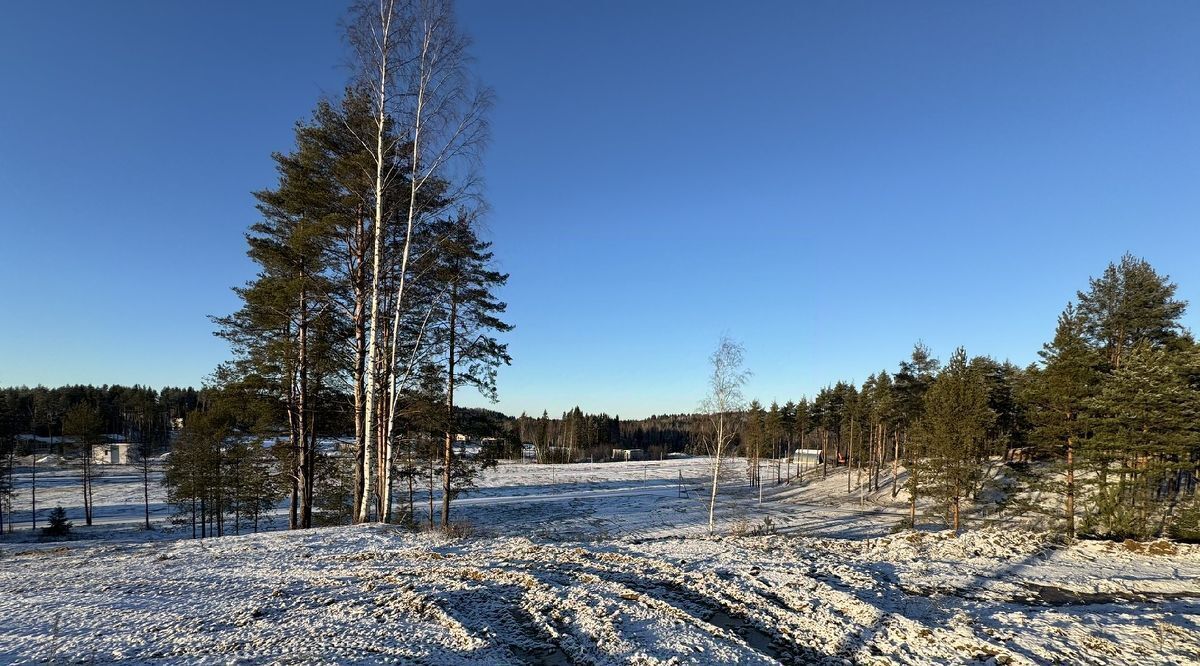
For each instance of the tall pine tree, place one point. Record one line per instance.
(467, 321)
(1058, 395)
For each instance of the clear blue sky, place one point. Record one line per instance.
(826, 181)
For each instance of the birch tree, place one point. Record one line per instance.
(413, 60)
(375, 30)
(722, 409)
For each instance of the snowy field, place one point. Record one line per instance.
(558, 502)
(604, 563)
(370, 594)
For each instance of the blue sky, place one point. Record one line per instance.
(826, 181)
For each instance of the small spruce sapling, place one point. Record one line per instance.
(59, 525)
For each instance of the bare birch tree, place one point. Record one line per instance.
(414, 61)
(375, 30)
(722, 408)
(447, 118)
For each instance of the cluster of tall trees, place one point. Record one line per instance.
(1115, 403)
(771, 433)
(575, 436)
(375, 296)
(8, 454)
(1109, 414)
(921, 417)
(579, 435)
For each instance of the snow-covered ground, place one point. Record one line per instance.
(586, 500)
(371, 594)
(594, 563)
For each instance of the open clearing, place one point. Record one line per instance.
(600, 564)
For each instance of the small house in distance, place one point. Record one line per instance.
(111, 453)
(807, 457)
(628, 454)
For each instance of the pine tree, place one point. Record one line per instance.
(1058, 395)
(1148, 436)
(1130, 304)
(952, 432)
(911, 383)
(773, 432)
(849, 427)
(1010, 427)
(83, 423)
(541, 439)
(883, 417)
(802, 422)
(467, 321)
(284, 334)
(753, 437)
(8, 452)
(196, 473)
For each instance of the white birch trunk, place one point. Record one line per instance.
(712, 502)
(370, 441)
(413, 187)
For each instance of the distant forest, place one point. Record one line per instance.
(136, 413)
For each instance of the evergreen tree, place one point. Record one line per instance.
(850, 427)
(1058, 395)
(466, 322)
(802, 422)
(826, 413)
(283, 335)
(1147, 435)
(911, 383)
(8, 452)
(541, 441)
(952, 432)
(1129, 304)
(880, 400)
(59, 525)
(753, 438)
(773, 432)
(195, 474)
(888, 418)
(1010, 427)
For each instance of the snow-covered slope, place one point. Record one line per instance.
(370, 594)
